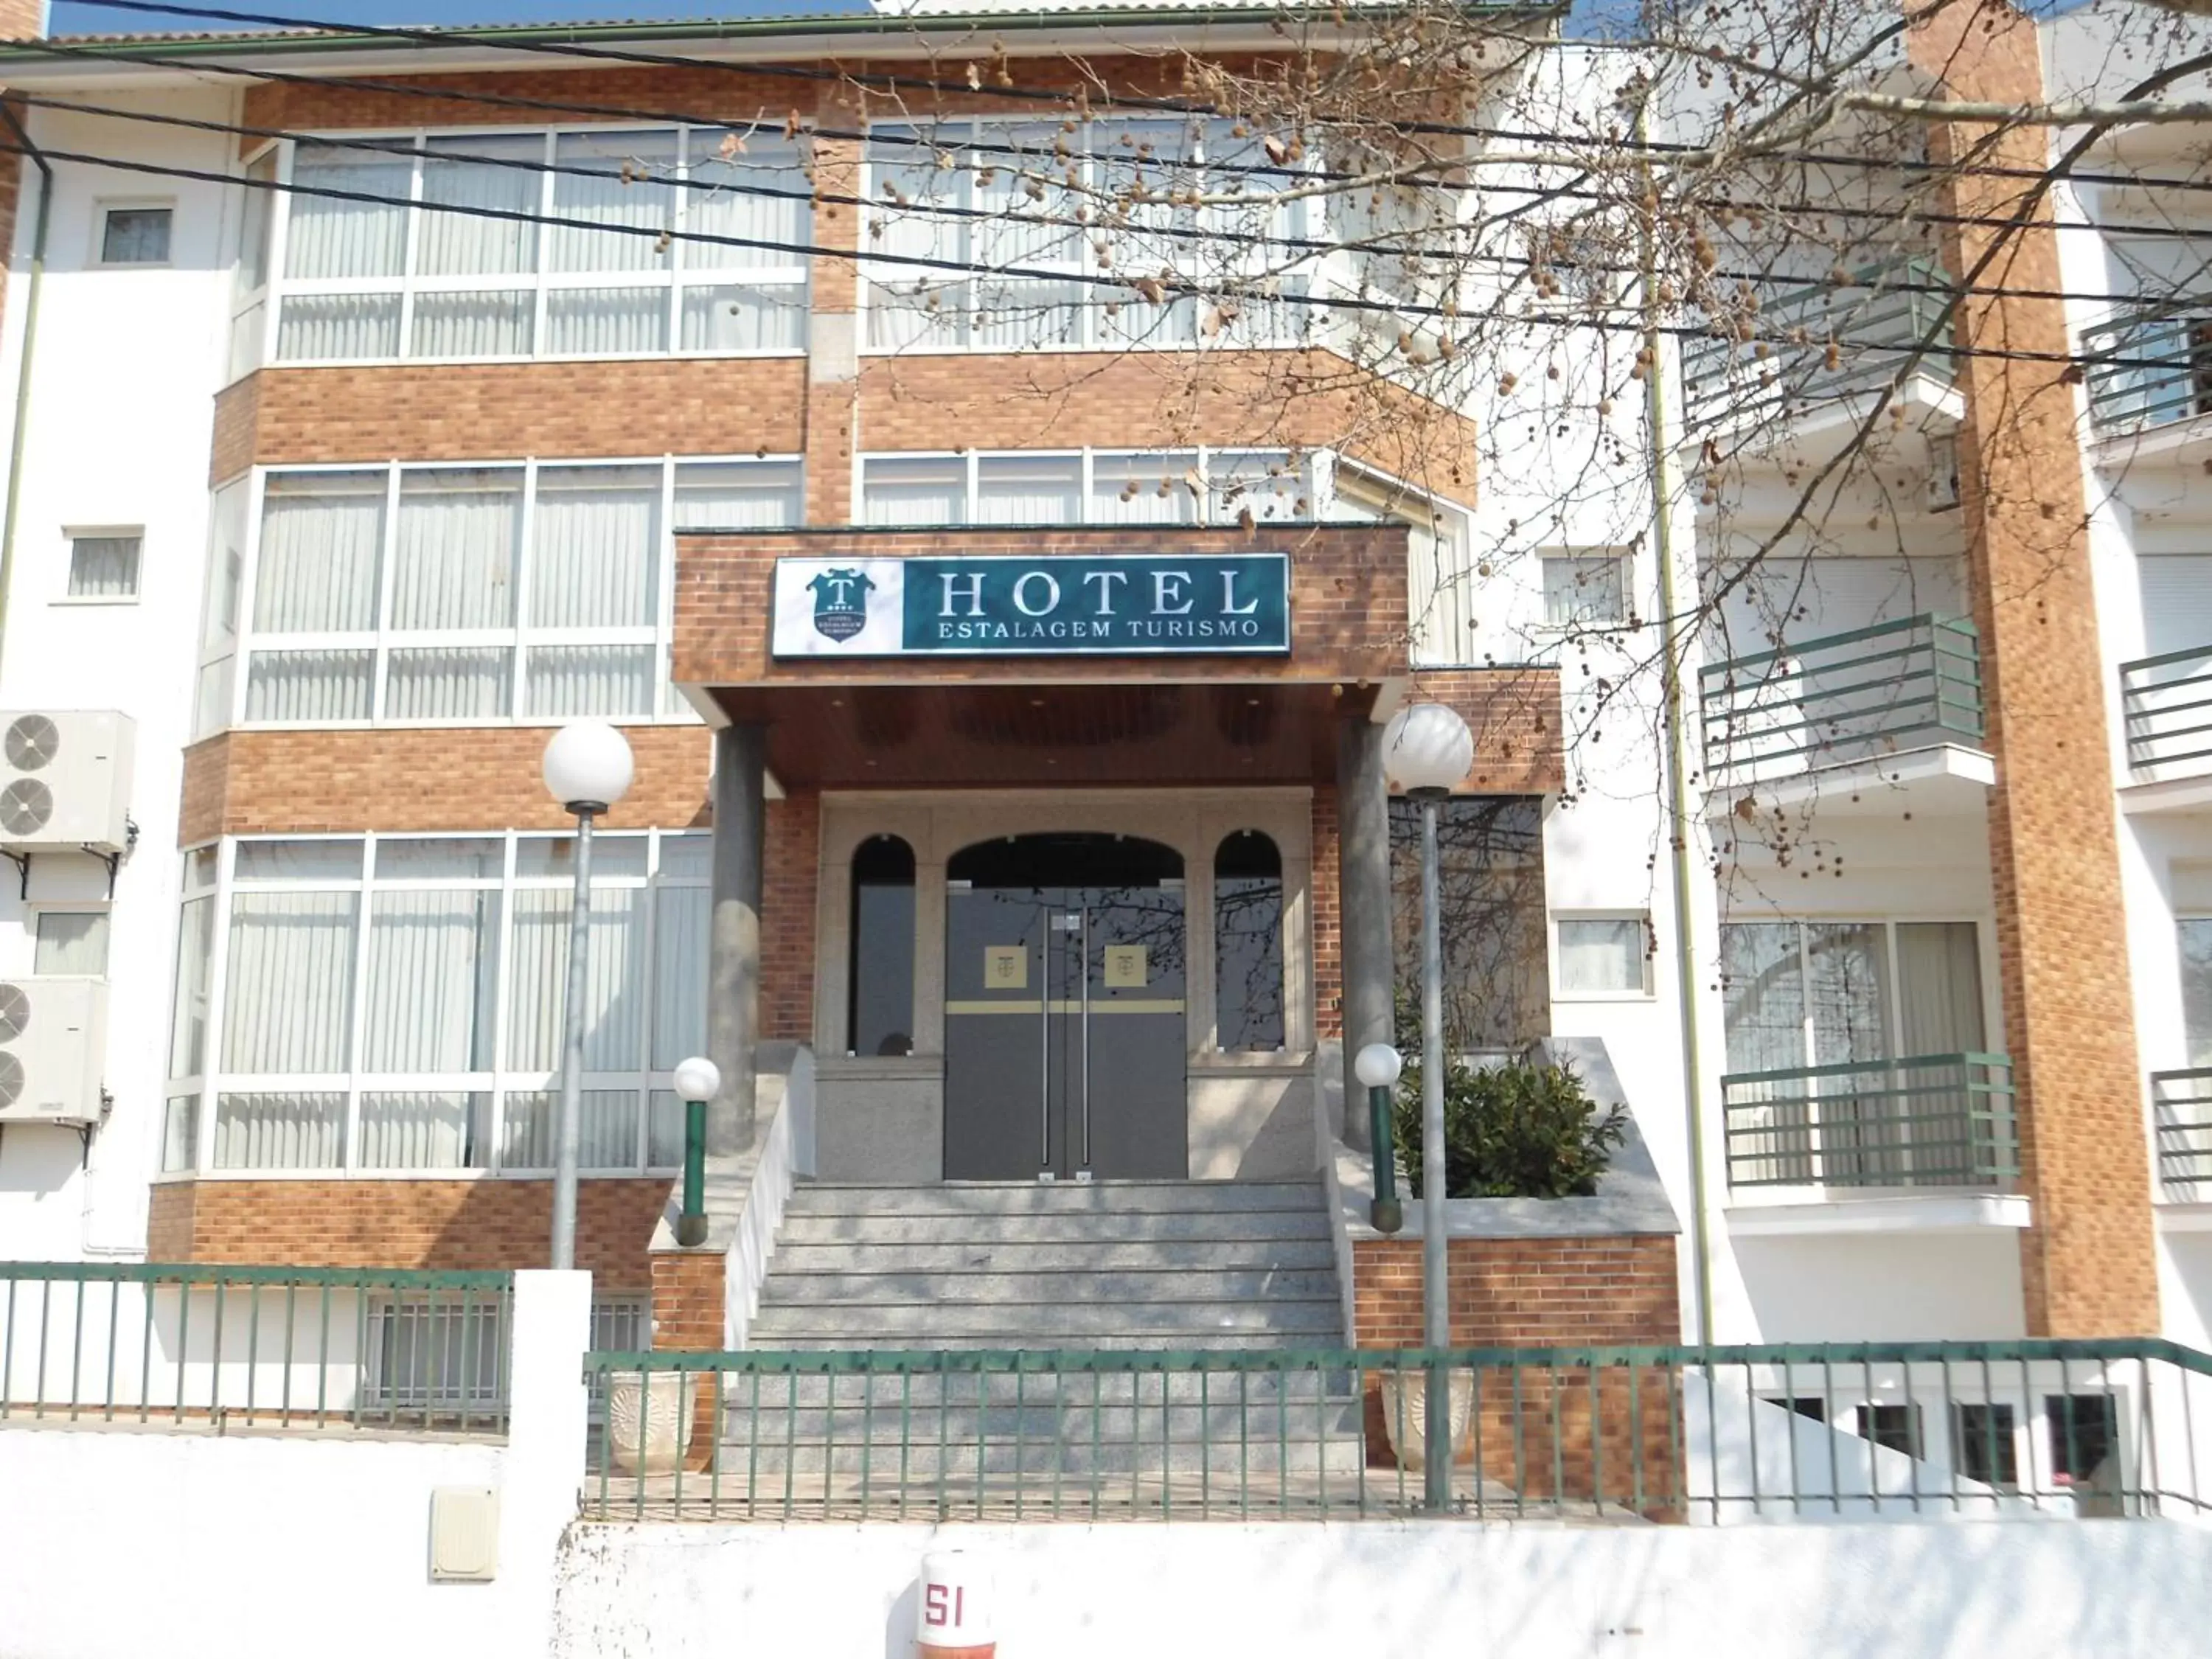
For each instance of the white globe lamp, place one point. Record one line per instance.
(1378, 1066)
(698, 1081)
(588, 766)
(1426, 750)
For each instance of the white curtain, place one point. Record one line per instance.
(622, 184)
(1939, 987)
(915, 492)
(453, 560)
(181, 1117)
(71, 942)
(188, 1010)
(321, 536)
(103, 567)
(1142, 488)
(491, 323)
(722, 200)
(569, 681)
(1029, 489)
(433, 960)
(679, 975)
(425, 1131)
(288, 982)
(1762, 996)
(1601, 954)
(737, 495)
(607, 1127)
(1849, 989)
(614, 991)
(312, 327)
(607, 321)
(595, 547)
(664, 1144)
(278, 1132)
(1269, 486)
(332, 237)
(449, 683)
(455, 174)
(2196, 941)
(731, 318)
(310, 685)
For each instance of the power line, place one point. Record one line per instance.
(448, 40)
(409, 149)
(1175, 288)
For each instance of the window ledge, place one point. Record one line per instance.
(95, 599)
(1803, 1211)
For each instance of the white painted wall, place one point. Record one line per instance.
(124, 369)
(1841, 1592)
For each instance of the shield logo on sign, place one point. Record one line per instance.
(841, 602)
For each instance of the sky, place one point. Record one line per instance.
(82, 18)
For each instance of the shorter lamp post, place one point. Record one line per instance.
(698, 1081)
(1377, 1066)
(1426, 750)
(587, 770)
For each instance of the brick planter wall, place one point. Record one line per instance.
(1573, 1441)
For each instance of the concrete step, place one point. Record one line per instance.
(1058, 1197)
(990, 1286)
(956, 1339)
(1309, 1421)
(929, 1390)
(963, 1461)
(1071, 1227)
(793, 1259)
(1320, 1317)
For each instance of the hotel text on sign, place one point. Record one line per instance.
(1115, 604)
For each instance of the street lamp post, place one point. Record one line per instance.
(587, 770)
(1377, 1067)
(1426, 750)
(698, 1081)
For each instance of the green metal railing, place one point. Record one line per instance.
(1819, 341)
(2182, 1105)
(2166, 703)
(1871, 692)
(1627, 1435)
(2149, 367)
(218, 1347)
(1924, 1120)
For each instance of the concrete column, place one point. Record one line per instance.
(1362, 806)
(734, 944)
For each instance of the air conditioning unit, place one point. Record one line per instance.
(65, 781)
(53, 1035)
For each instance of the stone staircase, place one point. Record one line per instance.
(1125, 1269)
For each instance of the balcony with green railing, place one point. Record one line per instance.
(1815, 343)
(1928, 1120)
(2181, 1105)
(1874, 692)
(2165, 702)
(2149, 366)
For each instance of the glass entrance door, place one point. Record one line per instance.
(1064, 1029)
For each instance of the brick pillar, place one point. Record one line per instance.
(833, 366)
(687, 1318)
(1327, 952)
(2088, 1263)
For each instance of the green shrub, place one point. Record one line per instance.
(1518, 1130)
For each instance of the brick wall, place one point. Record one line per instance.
(792, 864)
(1514, 715)
(688, 1295)
(2088, 1262)
(502, 411)
(484, 778)
(1347, 604)
(1328, 920)
(477, 1223)
(1539, 1292)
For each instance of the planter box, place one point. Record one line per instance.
(1406, 1412)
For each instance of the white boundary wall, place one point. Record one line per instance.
(120, 1542)
(1456, 1588)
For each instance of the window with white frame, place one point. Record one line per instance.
(1602, 955)
(422, 594)
(394, 1003)
(608, 241)
(987, 235)
(1584, 590)
(2196, 941)
(251, 233)
(135, 233)
(104, 565)
(1444, 586)
(1195, 486)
